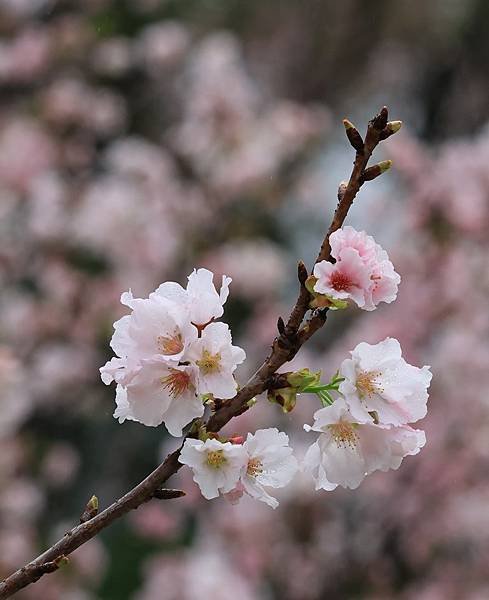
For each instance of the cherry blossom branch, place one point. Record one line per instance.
(292, 336)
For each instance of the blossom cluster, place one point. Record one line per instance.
(263, 460)
(172, 353)
(172, 357)
(367, 427)
(362, 272)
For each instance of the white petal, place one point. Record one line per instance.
(122, 411)
(208, 484)
(181, 411)
(257, 491)
(121, 342)
(221, 385)
(216, 335)
(171, 291)
(127, 299)
(372, 357)
(312, 464)
(148, 398)
(342, 464)
(224, 292)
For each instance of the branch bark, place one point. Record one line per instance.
(288, 343)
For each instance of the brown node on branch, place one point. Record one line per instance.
(278, 381)
(165, 494)
(391, 128)
(37, 571)
(91, 509)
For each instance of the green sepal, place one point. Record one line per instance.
(303, 378)
(286, 398)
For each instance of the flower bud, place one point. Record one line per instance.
(342, 189)
(62, 560)
(376, 170)
(284, 397)
(391, 128)
(236, 439)
(353, 135)
(91, 509)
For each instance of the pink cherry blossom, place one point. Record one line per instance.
(348, 237)
(362, 271)
(348, 278)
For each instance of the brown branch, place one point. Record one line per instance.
(375, 129)
(289, 341)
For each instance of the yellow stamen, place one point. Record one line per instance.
(177, 382)
(255, 467)
(367, 383)
(170, 344)
(344, 434)
(216, 459)
(209, 363)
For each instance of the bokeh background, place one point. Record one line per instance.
(141, 138)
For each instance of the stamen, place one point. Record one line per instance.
(177, 382)
(367, 383)
(170, 344)
(340, 282)
(255, 467)
(344, 434)
(209, 363)
(216, 459)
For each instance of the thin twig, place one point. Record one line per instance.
(289, 341)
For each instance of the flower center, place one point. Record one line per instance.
(170, 344)
(367, 383)
(344, 434)
(216, 459)
(177, 382)
(209, 363)
(255, 467)
(340, 282)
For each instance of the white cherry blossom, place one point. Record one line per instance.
(157, 330)
(164, 361)
(346, 450)
(216, 359)
(271, 464)
(216, 466)
(161, 393)
(378, 380)
(201, 298)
